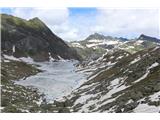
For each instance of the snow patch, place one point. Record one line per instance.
(145, 108)
(129, 101)
(78, 45)
(60, 58)
(87, 86)
(51, 59)
(154, 65)
(101, 42)
(94, 40)
(114, 87)
(135, 60)
(13, 49)
(27, 60)
(11, 58)
(143, 77)
(23, 59)
(138, 42)
(155, 96)
(147, 72)
(157, 47)
(6, 61)
(120, 57)
(84, 98)
(91, 45)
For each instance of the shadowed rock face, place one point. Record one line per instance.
(148, 38)
(33, 38)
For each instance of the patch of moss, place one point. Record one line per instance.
(15, 70)
(34, 23)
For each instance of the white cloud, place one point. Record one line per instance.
(97, 28)
(55, 19)
(66, 31)
(127, 22)
(49, 16)
(115, 22)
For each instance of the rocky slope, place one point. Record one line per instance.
(22, 38)
(125, 83)
(136, 45)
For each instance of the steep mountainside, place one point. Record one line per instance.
(22, 38)
(130, 84)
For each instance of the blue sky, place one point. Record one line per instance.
(77, 23)
(6, 10)
(75, 10)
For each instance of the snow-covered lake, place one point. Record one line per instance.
(58, 79)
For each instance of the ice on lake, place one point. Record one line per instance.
(57, 80)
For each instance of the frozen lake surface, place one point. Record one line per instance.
(58, 79)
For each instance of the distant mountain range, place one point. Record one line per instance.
(22, 38)
(98, 36)
(97, 44)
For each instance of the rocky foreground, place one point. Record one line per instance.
(118, 82)
(121, 82)
(17, 98)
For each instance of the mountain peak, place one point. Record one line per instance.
(148, 38)
(97, 36)
(35, 19)
(33, 38)
(142, 36)
(96, 33)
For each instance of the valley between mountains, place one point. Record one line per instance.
(40, 72)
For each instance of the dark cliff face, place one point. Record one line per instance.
(148, 38)
(22, 38)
